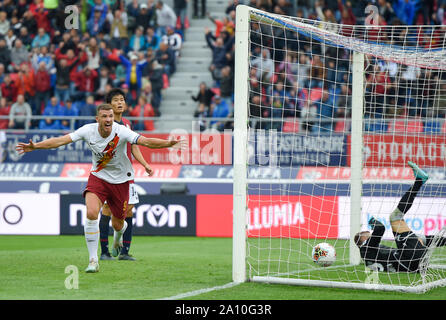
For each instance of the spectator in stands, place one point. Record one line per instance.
(227, 85)
(43, 86)
(4, 23)
(165, 17)
(204, 99)
(199, 13)
(5, 108)
(166, 57)
(87, 109)
(93, 54)
(102, 80)
(225, 24)
(52, 108)
(118, 30)
(325, 111)
(97, 20)
(180, 9)
(20, 114)
(85, 83)
(120, 75)
(62, 89)
(138, 41)
(386, 10)
(344, 102)
(42, 55)
(19, 55)
(25, 37)
(154, 73)
(142, 109)
(69, 55)
(5, 53)
(283, 7)
(146, 17)
(9, 88)
(219, 109)
(440, 101)
(15, 25)
(219, 50)
(405, 10)
(152, 39)
(134, 69)
(10, 38)
(68, 110)
(173, 40)
(133, 9)
(29, 23)
(2, 74)
(42, 39)
(264, 65)
(26, 84)
(42, 20)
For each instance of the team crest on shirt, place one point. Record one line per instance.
(107, 154)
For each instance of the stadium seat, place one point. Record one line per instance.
(340, 126)
(316, 94)
(443, 127)
(216, 91)
(414, 126)
(432, 126)
(397, 126)
(291, 125)
(408, 126)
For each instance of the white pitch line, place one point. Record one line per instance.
(200, 291)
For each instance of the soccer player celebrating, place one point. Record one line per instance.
(410, 248)
(108, 180)
(116, 98)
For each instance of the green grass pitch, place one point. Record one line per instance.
(33, 267)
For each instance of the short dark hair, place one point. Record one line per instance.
(358, 236)
(103, 106)
(112, 93)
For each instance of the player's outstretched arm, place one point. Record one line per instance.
(50, 143)
(139, 157)
(155, 143)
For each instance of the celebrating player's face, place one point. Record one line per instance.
(105, 119)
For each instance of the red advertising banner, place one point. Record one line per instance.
(396, 150)
(202, 149)
(270, 216)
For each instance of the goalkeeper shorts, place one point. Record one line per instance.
(410, 251)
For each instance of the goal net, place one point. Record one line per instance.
(328, 115)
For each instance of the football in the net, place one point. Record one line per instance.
(323, 254)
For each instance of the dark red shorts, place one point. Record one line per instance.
(116, 195)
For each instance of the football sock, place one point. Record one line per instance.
(91, 230)
(104, 226)
(407, 200)
(127, 236)
(117, 234)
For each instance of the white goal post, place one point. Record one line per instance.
(332, 113)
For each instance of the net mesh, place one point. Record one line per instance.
(299, 142)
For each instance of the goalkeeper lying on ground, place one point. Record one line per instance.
(410, 248)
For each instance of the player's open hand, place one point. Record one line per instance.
(180, 144)
(25, 147)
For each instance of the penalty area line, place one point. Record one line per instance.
(200, 291)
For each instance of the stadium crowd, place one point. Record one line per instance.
(57, 60)
(294, 77)
(49, 69)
